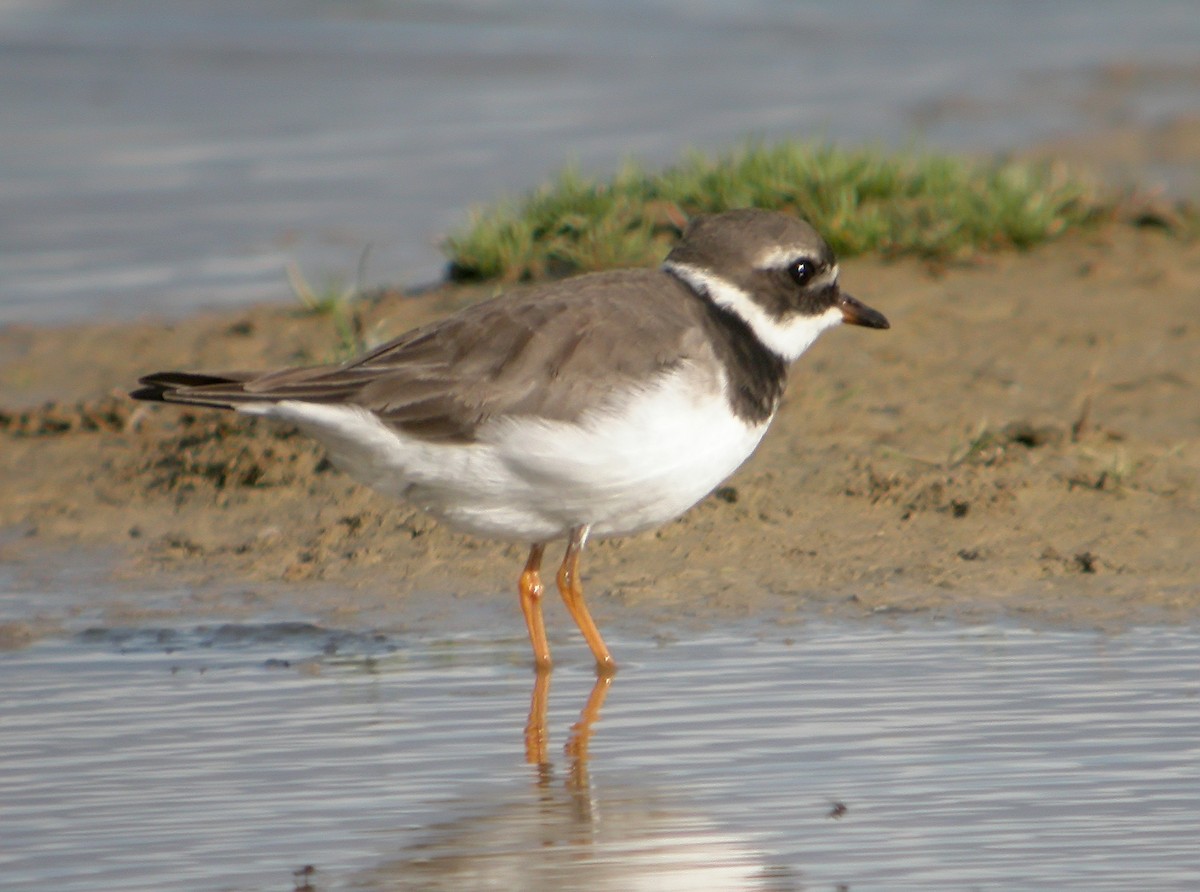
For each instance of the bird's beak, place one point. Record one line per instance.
(855, 312)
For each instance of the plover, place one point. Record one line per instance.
(599, 405)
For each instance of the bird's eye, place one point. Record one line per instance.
(802, 272)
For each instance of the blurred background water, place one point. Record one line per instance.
(160, 156)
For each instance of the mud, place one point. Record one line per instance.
(1024, 441)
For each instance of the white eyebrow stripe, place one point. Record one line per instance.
(781, 258)
(786, 338)
(827, 277)
(778, 256)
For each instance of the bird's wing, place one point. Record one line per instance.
(549, 352)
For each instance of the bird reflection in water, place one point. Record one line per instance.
(562, 833)
(576, 748)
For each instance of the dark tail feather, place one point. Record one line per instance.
(190, 388)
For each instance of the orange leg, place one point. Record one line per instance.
(535, 729)
(531, 590)
(571, 588)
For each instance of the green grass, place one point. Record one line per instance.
(862, 200)
(336, 301)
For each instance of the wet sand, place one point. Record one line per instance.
(1025, 441)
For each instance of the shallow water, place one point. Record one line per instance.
(230, 756)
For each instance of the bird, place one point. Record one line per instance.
(593, 406)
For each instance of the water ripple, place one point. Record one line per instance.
(227, 757)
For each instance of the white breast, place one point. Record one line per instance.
(627, 466)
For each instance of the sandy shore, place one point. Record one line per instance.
(1024, 441)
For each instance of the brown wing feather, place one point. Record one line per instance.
(544, 352)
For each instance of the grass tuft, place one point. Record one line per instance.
(338, 302)
(932, 206)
